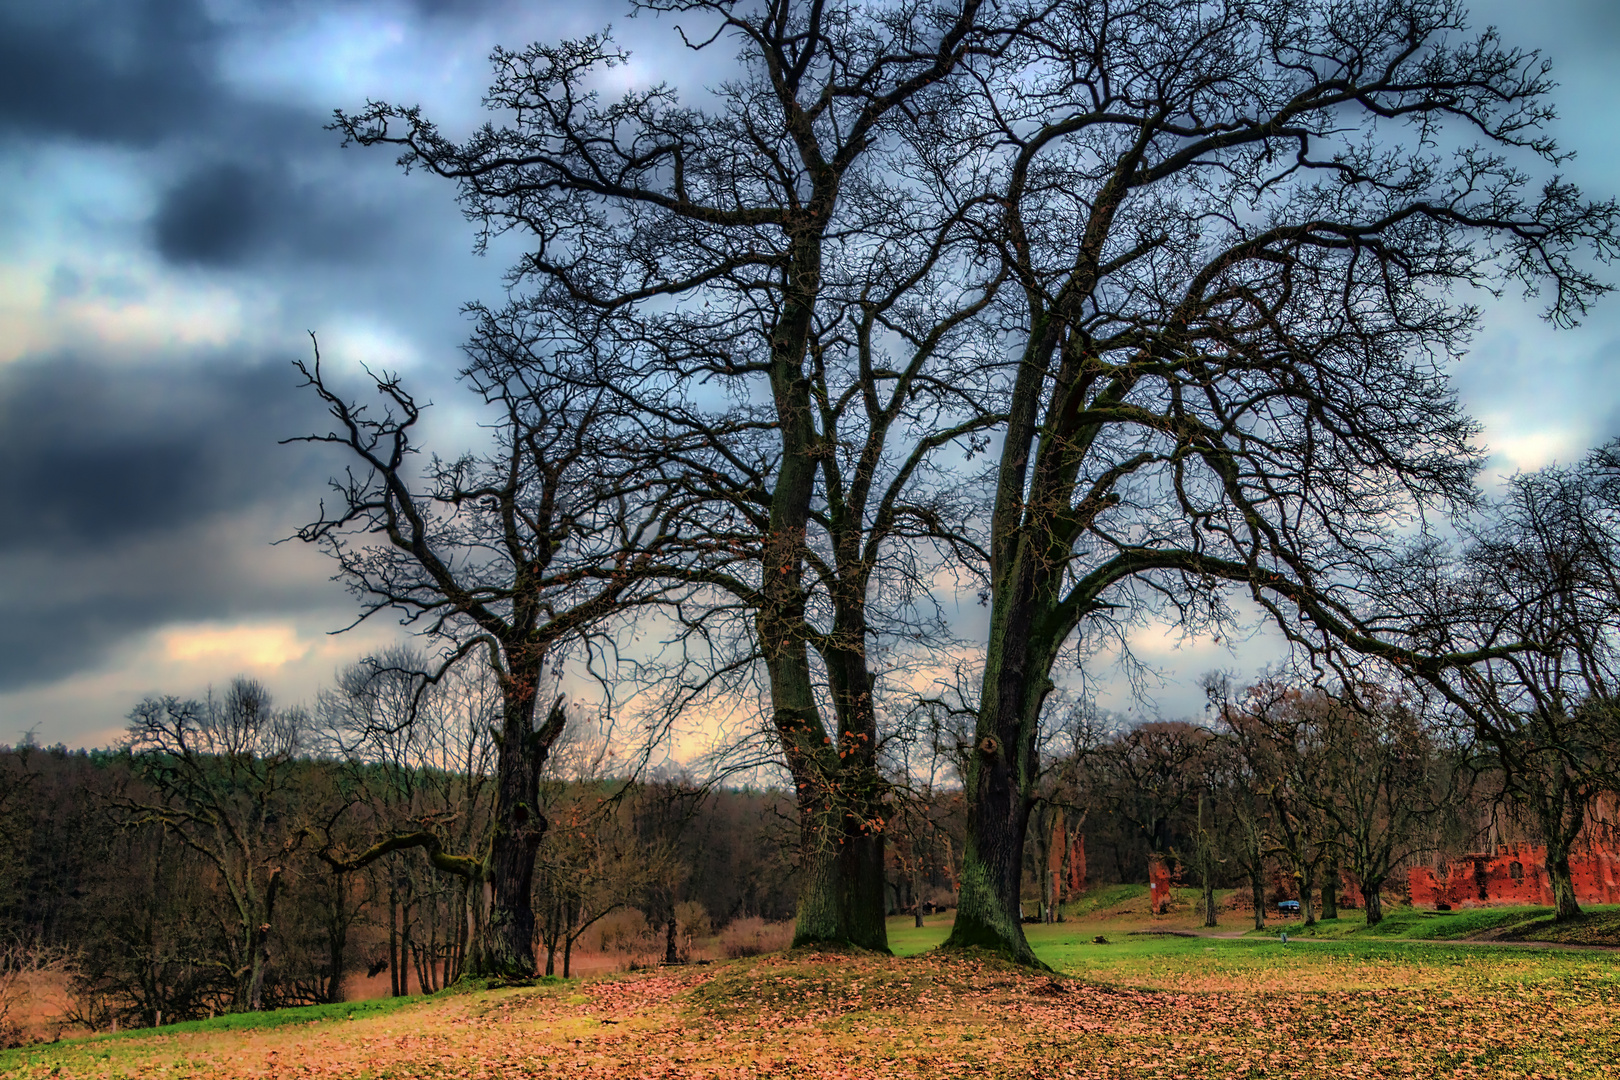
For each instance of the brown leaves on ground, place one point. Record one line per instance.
(825, 1016)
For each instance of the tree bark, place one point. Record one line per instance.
(1372, 896)
(568, 943)
(1330, 891)
(916, 883)
(393, 937)
(1001, 770)
(1257, 893)
(1563, 882)
(405, 950)
(260, 945)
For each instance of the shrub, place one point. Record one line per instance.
(623, 931)
(693, 920)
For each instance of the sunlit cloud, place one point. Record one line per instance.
(1514, 451)
(269, 645)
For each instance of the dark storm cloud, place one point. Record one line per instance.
(120, 71)
(99, 454)
(232, 213)
(117, 486)
(256, 180)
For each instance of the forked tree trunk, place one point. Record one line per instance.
(1001, 771)
(838, 792)
(551, 941)
(250, 995)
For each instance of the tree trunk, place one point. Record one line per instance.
(987, 914)
(503, 945)
(458, 955)
(260, 938)
(1371, 891)
(1563, 883)
(1257, 893)
(336, 940)
(841, 854)
(551, 938)
(1307, 898)
(846, 799)
(405, 950)
(393, 936)
(916, 884)
(1029, 621)
(671, 953)
(1330, 891)
(1209, 899)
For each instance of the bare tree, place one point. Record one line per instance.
(1540, 572)
(417, 758)
(1279, 731)
(1233, 229)
(222, 770)
(507, 558)
(1386, 780)
(787, 282)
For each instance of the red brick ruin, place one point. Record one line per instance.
(1158, 884)
(1077, 864)
(1516, 874)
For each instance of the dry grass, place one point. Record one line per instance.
(754, 937)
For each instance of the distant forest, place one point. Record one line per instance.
(226, 857)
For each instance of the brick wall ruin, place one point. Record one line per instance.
(1158, 884)
(1516, 874)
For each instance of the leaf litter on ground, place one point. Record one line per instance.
(1428, 1013)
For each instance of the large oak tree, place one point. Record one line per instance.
(780, 283)
(1236, 230)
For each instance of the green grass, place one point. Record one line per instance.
(906, 939)
(1596, 925)
(228, 1022)
(1599, 925)
(1104, 898)
(1340, 953)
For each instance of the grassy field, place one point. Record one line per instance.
(1142, 1005)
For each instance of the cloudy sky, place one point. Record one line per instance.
(174, 218)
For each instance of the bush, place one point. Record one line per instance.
(623, 931)
(693, 920)
(754, 936)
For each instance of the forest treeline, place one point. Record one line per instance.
(155, 890)
(219, 859)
